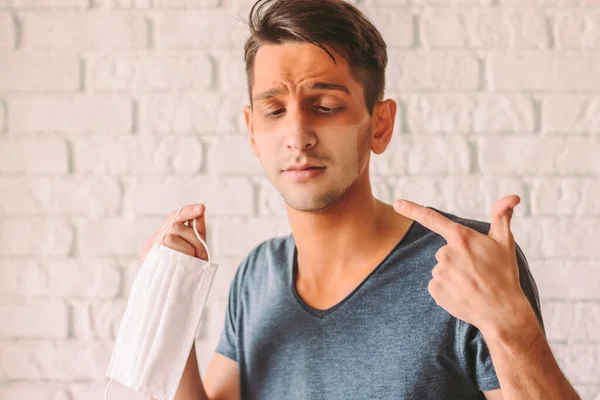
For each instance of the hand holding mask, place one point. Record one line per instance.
(163, 311)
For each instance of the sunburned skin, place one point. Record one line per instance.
(308, 109)
(317, 188)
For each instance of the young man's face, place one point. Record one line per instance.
(297, 119)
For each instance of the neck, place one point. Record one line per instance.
(335, 241)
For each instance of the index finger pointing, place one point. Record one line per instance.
(427, 217)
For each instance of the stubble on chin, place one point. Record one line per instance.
(303, 201)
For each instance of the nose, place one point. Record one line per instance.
(300, 134)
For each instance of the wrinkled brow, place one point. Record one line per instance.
(315, 86)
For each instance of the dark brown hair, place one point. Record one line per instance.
(332, 23)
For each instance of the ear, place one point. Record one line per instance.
(250, 128)
(384, 115)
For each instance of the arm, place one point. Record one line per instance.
(523, 359)
(222, 379)
(221, 383)
(190, 386)
(477, 281)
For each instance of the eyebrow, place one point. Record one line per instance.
(315, 86)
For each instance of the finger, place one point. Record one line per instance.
(442, 255)
(435, 271)
(501, 216)
(187, 213)
(427, 217)
(188, 234)
(175, 242)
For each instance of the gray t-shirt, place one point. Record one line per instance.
(388, 339)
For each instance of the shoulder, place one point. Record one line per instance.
(273, 249)
(270, 252)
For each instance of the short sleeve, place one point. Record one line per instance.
(475, 351)
(228, 342)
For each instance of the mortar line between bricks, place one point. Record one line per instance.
(82, 74)
(4, 110)
(150, 31)
(416, 19)
(135, 111)
(18, 30)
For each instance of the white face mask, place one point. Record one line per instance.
(161, 320)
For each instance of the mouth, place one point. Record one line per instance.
(305, 174)
(303, 166)
(303, 169)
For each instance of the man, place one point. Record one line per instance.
(364, 300)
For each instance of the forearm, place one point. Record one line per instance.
(523, 360)
(190, 386)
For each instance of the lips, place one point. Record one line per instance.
(302, 168)
(305, 174)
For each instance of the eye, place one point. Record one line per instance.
(328, 110)
(273, 114)
(319, 109)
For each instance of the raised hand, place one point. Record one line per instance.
(476, 278)
(181, 237)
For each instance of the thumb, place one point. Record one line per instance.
(501, 216)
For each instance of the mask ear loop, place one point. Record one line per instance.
(106, 389)
(159, 242)
(201, 241)
(195, 231)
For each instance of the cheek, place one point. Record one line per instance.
(264, 143)
(268, 147)
(345, 145)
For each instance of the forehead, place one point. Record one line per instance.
(296, 63)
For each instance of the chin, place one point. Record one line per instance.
(304, 202)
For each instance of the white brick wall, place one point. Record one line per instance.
(115, 112)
